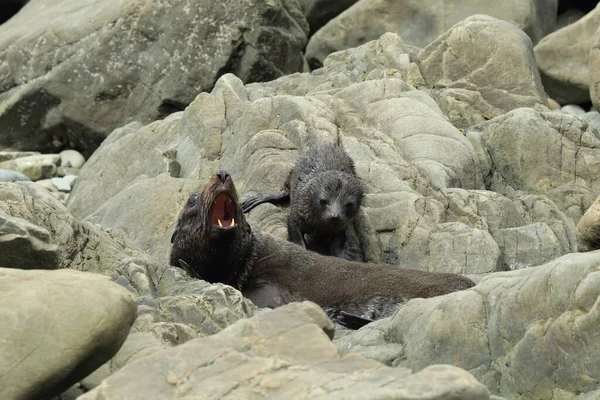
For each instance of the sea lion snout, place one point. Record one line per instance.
(223, 175)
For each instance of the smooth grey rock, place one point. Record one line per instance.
(573, 109)
(420, 22)
(7, 175)
(25, 246)
(526, 334)
(71, 158)
(592, 118)
(563, 58)
(61, 184)
(466, 68)
(47, 184)
(284, 353)
(64, 74)
(58, 326)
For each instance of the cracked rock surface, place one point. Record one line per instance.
(131, 60)
(284, 353)
(531, 332)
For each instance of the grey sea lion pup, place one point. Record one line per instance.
(213, 241)
(325, 195)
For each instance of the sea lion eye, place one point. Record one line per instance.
(349, 206)
(193, 199)
(323, 202)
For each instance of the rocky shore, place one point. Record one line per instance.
(477, 138)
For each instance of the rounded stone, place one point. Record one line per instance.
(71, 158)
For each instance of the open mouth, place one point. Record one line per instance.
(221, 213)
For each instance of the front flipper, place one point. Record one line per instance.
(258, 199)
(352, 321)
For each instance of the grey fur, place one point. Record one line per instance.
(325, 194)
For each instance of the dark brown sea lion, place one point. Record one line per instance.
(213, 241)
(325, 195)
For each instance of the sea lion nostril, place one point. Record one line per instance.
(223, 175)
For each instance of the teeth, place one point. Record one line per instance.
(232, 222)
(219, 221)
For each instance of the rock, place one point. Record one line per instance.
(548, 153)
(71, 158)
(524, 334)
(573, 109)
(47, 184)
(68, 79)
(59, 326)
(61, 184)
(553, 104)
(588, 228)
(11, 155)
(35, 167)
(284, 353)
(7, 175)
(594, 70)
(70, 180)
(25, 246)
(592, 118)
(421, 22)
(563, 58)
(406, 151)
(81, 245)
(319, 12)
(64, 171)
(568, 17)
(466, 66)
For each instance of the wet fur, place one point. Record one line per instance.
(272, 272)
(324, 173)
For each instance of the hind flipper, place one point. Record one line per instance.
(258, 199)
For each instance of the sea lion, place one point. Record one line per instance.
(213, 241)
(325, 195)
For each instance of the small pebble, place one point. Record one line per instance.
(61, 184)
(7, 175)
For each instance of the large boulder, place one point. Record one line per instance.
(57, 327)
(284, 353)
(548, 153)
(467, 69)
(563, 58)
(527, 334)
(419, 22)
(72, 71)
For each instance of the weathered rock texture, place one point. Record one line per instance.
(419, 22)
(72, 71)
(529, 334)
(594, 70)
(588, 228)
(563, 58)
(57, 327)
(25, 246)
(411, 157)
(285, 353)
